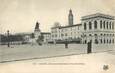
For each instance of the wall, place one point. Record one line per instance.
(102, 47)
(95, 47)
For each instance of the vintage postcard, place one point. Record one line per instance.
(57, 36)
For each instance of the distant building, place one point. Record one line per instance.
(46, 36)
(0, 38)
(12, 39)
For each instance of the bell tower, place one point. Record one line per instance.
(70, 18)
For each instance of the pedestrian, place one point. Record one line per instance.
(66, 45)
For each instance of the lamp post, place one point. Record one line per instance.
(83, 38)
(0, 35)
(8, 38)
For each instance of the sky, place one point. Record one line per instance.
(19, 16)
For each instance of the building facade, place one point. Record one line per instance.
(46, 37)
(98, 28)
(71, 32)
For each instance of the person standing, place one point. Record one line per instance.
(66, 45)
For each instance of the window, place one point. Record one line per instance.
(113, 40)
(110, 41)
(107, 25)
(95, 34)
(104, 24)
(84, 35)
(62, 35)
(110, 25)
(107, 40)
(101, 40)
(65, 34)
(52, 35)
(95, 24)
(104, 34)
(96, 41)
(90, 25)
(85, 27)
(101, 34)
(113, 25)
(71, 33)
(104, 40)
(85, 41)
(78, 27)
(101, 24)
(55, 35)
(89, 34)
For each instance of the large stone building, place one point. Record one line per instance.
(98, 28)
(71, 32)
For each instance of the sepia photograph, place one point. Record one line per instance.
(57, 36)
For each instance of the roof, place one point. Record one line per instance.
(25, 33)
(67, 26)
(98, 15)
(45, 33)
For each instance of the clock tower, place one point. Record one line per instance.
(70, 18)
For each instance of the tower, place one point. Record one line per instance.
(37, 31)
(70, 18)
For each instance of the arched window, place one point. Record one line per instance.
(85, 27)
(85, 41)
(110, 34)
(101, 41)
(110, 25)
(84, 35)
(107, 25)
(113, 25)
(113, 40)
(95, 34)
(95, 24)
(104, 24)
(96, 41)
(101, 34)
(104, 34)
(90, 25)
(89, 34)
(101, 24)
(110, 41)
(107, 40)
(104, 40)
